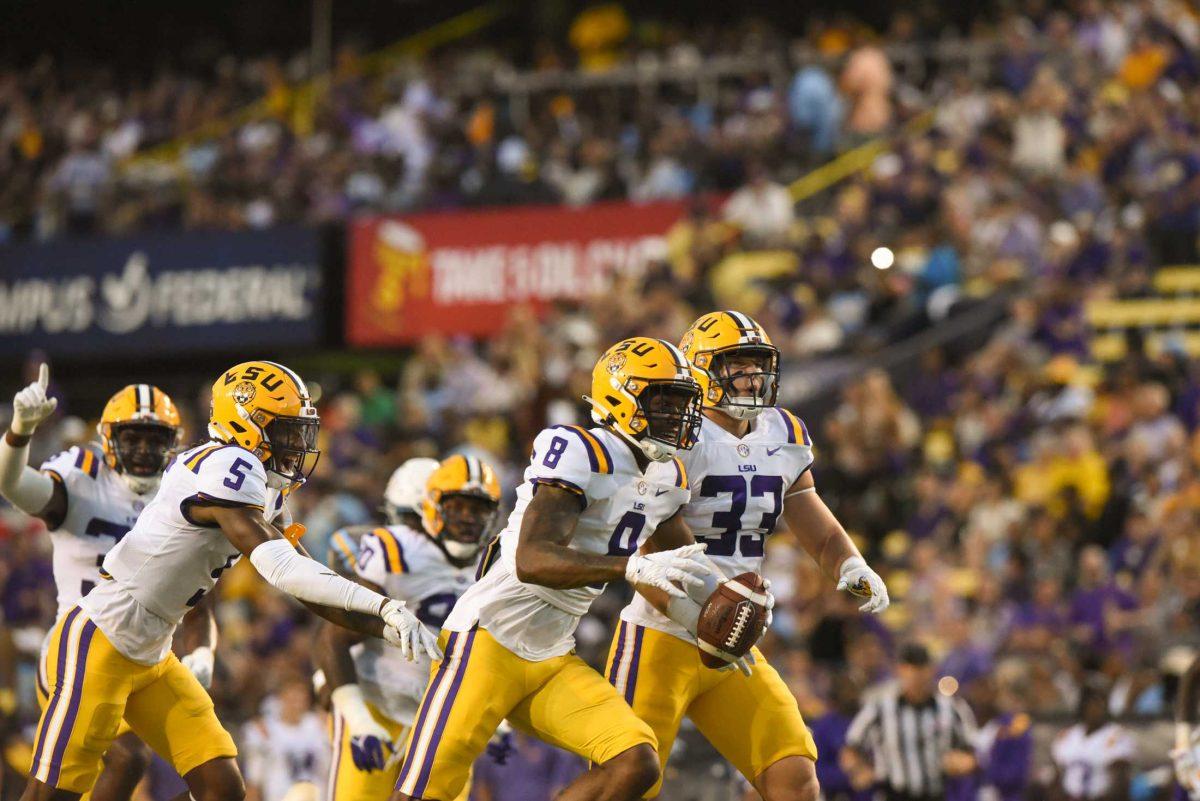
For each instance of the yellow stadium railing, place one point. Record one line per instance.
(854, 160)
(305, 95)
(1178, 280)
(1111, 347)
(1143, 312)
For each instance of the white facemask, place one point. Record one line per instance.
(142, 485)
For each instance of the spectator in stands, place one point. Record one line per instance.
(762, 209)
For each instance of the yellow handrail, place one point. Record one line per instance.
(852, 161)
(447, 31)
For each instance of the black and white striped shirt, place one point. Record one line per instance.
(908, 741)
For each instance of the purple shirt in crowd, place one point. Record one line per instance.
(533, 771)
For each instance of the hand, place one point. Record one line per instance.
(1187, 770)
(31, 406)
(500, 747)
(661, 570)
(744, 664)
(864, 582)
(370, 752)
(404, 631)
(770, 605)
(200, 662)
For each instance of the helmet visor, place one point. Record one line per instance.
(672, 412)
(748, 375)
(293, 442)
(142, 449)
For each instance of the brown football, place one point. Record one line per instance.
(731, 620)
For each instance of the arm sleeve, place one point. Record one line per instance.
(566, 458)
(24, 487)
(308, 580)
(964, 726)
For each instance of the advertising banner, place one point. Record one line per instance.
(168, 293)
(462, 272)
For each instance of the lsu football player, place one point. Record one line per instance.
(401, 507)
(89, 500)
(375, 695)
(749, 466)
(591, 496)
(110, 655)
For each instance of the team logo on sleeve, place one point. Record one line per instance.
(244, 392)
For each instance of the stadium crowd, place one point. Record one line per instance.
(1033, 511)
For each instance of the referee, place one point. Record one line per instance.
(908, 739)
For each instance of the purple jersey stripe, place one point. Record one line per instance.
(787, 423)
(64, 736)
(631, 684)
(57, 689)
(431, 752)
(616, 660)
(593, 458)
(426, 702)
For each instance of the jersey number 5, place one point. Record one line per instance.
(751, 542)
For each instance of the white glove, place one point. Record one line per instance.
(864, 582)
(200, 662)
(1186, 756)
(743, 664)
(31, 406)
(371, 746)
(403, 630)
(661, 570)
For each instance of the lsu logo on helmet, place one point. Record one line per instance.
(645, 390)
(266, 408)
(737, 366)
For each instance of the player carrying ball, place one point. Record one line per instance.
(749, 467)
(591, 497)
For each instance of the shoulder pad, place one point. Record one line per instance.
(81, 459)
(797, 432)
(599, 457)
(391, 548)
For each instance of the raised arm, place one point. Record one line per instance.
(31, 491)
(823, 537)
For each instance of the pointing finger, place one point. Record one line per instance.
(44, 375)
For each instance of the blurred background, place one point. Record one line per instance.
(972, 229)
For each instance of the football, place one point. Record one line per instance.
(731, 620)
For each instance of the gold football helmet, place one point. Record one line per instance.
(265, 408)
(738, 367)
(645, 390)
(460, 503)
(138, 429)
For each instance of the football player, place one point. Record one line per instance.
(1186, 754)
(401, 507)
(375, 695)
(749, 467)
(110, 655)
(589, 499)
(89, 500)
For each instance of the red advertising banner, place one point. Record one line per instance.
(461, 272)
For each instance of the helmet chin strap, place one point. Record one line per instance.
(141, 485)
(654, 450)
(738, 412)
(460, 550)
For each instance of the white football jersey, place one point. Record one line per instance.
(1086, 759)
(101, 509)
(737, 488)
(410, 567)
(167, 562)
(620, 508)
(278, 755)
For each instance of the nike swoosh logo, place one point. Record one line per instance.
(773, 451)
(660, 492)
